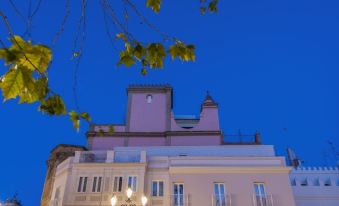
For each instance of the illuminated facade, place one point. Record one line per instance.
(172, 160)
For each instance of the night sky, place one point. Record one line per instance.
(271, 65)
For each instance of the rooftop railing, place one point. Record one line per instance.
(221, 200)
(110, 156)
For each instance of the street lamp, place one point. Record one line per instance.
(129, 201)
(144, 200)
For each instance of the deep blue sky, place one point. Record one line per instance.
(269, 64)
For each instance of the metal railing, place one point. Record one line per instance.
(266, 200)
(179, 200)
(93, 156)
(127, 156)
(221, 200)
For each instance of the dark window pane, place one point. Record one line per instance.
(94, 184)
(99, 184)
(85, 184)
(120, 184)
(161, 188)
(155, 188)
(80, 183)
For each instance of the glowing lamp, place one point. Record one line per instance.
(129, 192)
(114, 200)
(144, 200)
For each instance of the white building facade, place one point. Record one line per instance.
(174, 161)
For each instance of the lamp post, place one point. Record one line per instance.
(128, 201)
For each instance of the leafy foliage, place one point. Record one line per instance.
(27, 77)
(208, 6)
(53, 105)
(152, 55)
(76, 117)
(154, 4)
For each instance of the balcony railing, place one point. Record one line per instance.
(221, 200)
(93, 156)
(110, 156)
(179, 200)
(263, 200)
(126, 156)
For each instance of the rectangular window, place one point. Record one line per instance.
(132, 183)
(117, 184)
(82, 184)
(219, 194)
(157, 188)
(96, 184)
(260, 194)
(178, 194)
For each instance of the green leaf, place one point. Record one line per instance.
(33, 57)
(121, 36)
(85, 116)
(8, 56)
(41, 86)
(139, 51)
(126, 59)
(39, 58)
(155, 55)
(74, 116)
(18, 81)
(53, 105)
(212, 6)
(143, 71)
(182, 51)
(202, 10)
(154, 4)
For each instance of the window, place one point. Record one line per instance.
(157, 188)
(149, 98)
(82, 184)
(303, 182)
(219, 194)
(96, 184)
(132, 183)
(260, 194)
(327, 182)
(117, 184)
(178, 194)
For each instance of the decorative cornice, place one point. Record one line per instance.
(153, 134)
(149, 88)
(209, 170)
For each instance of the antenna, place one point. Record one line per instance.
(335, 152)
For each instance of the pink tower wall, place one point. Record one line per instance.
(147, 117)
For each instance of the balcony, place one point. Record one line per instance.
(179, 200)
(263, 200)
(110, 156)
(221, 200)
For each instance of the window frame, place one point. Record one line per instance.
(181, 201)
(122, 183)
(220, 196)
(97, 184)
(261, 193)
(158, 188)
(136, 183)
(82, 184)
